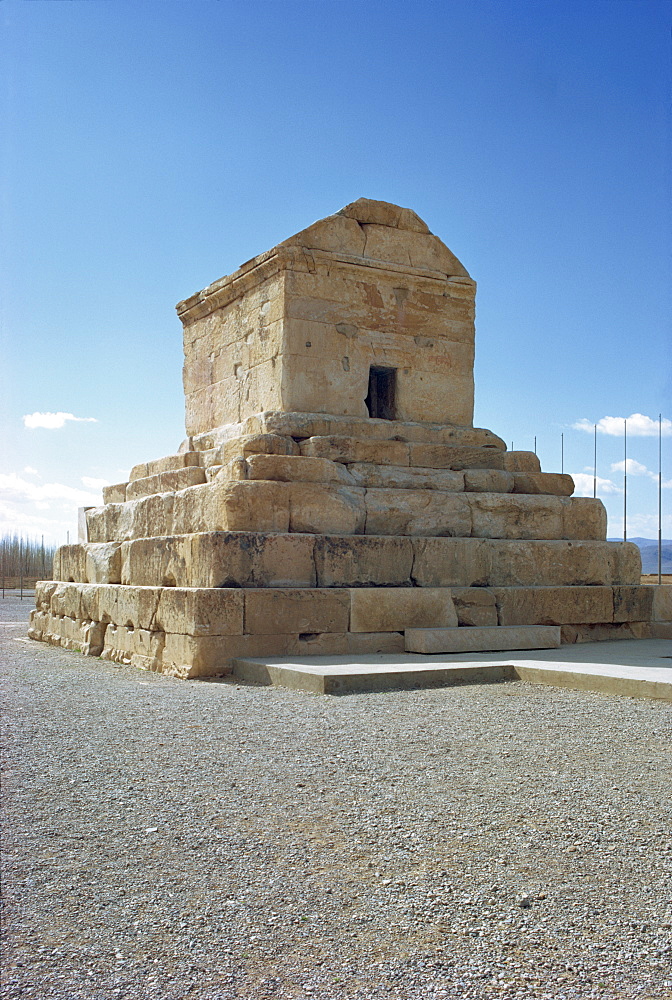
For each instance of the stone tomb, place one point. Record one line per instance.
(332, 495)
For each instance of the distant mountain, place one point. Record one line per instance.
(649, 549)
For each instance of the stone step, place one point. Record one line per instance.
(481, 639)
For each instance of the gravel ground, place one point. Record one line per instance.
(170, 839)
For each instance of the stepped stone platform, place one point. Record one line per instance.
(635, 669)
(332, 495)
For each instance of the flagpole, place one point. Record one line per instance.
(625, 477)
(660, 496)
(562, 453)
(595, 464)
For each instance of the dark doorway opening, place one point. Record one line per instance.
(380, 401)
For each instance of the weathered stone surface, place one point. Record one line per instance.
(444, 456)
(468, 640)
(44, 590)
(488, 481)
(362, 561)
(506, 515)
(164, 482)
(584, 518)
(450, 562)
(360, 643)
(159, 562)
(297, 611)
(631, 604)
(258, 444)
(103, 562)
(521, 461)
(604, 633)
(350, 450)
(554, 605)
(250, 505)
(70, 633)
(115, 493)
(251, 559)
(625, 562)
(396, 609)
(324, 509)
(70, 563)
(555, 484)
(400, 478)
(167, 464)
(188, 656)
(381, 213)
(416, 512)
(306, 425)
(475, 606)
(200, 611)
(130, 607)
(293, 469)
(662, 603)
(135, 646)
(548, 563)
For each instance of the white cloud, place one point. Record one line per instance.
(29, 470)
(53, 421)
(639, 425)
(633, 468)
(583, 485)
(94, 484)
(12, 487)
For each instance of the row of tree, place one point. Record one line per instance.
(25, 557)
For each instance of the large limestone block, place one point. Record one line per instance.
(554, 605)
(400, 478)
(74, 600)
(605, 632)
(335, 233)
(258, 444)
(506, 515)
(44, 590)
(167, 464)
(362, 561)
(298, 469)
(103, 562)
(296, 611)
(188, 656)
(631, 604)
(349, 450)
(135, 646)
(444, 456)
(361, 643)
(625, 562)
(382, 213)
(70, 563)
(549, 563)
(132, 607)
(475, 606)
(552, 483)
(164, 482)
(115, 493)
(432, 396)
(81, 636)
(488, 481)
(251, 559)
(412, 249)
(249, 505)
(323, 509)
(584, 518)
(450, 562)
(470, 640)
(306, 425)
(336, 385)
(662, 603)
(158, 562)
(521, 461)
(416, 512)
(200, 611)
(396, 609)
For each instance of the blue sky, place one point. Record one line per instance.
(150, 148)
